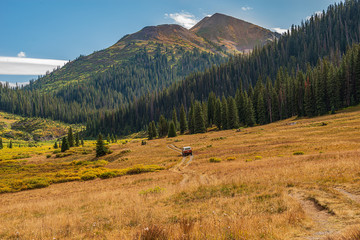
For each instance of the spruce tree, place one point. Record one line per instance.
(218, 114)
(70, 137)
(56, 145)
(163, 126)
(150, 131)
(108, 139)
(261, 111)
(10, 144)
(199, 123)
(101, 150)
(249, 112)
(77, 139)
(1, 144)
(174, 118)
(154, 131)
(233, 119)
(211, 106)
(191, 120)
(224, 114)
(172, 130)
(82, 142)
(65, 144)
(112, 138)
(183, 123)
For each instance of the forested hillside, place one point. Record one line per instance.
(288, 74)
(292, 79)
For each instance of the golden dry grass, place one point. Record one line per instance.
(267, 192)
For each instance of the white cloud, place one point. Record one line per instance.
(279, 30)
(184, 19)
(246, 8)
(13, 85)
(21, 54)
(28, 66)
(318, 13)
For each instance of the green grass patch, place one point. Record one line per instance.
(215, 160)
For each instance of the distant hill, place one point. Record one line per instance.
(232, 34)
(217, 35)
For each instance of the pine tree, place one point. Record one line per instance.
(108, 139)
(174, 118)
(249, 112)
(70, 137)
(56, 145)
(1, 144)
(199, 126)
(163, 126)
(218, 114)
(172, 130)
(261, 111)
(154, 131)
(65, 144)
(183, 122)
(101, 150)
(191, 119)
(112, 138)
(82, 142)
(211, 105)
(150, 131)
(10, 144)
(224, 114)
(233, 119)
(77, 139)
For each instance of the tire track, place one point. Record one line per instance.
(188, 175)
(319, 215)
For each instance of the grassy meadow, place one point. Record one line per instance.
(293, 179)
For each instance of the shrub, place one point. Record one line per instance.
(230, 158)
(37, 183)
(258, 157)
(299, 153)
(110, 174)
(56, 151)
(48, 156)
(215, 160)
(154, 190)
(88, 176)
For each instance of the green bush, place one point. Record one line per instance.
(258, 157)
(154, 190)
(299, 153)
(48, 156)
(88, 176)
(215, 160)
(106, 175)
(230, 158)
(37, 183)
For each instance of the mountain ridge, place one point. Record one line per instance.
(232, 34)
(170, 38)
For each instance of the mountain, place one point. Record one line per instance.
(213, 35)
(232, 34)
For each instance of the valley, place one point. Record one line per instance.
(297, 179)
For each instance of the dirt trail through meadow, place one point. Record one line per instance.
(321, 217)
(188, 175)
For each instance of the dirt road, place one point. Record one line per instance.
(189, 175)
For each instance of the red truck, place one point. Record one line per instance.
(186, 151)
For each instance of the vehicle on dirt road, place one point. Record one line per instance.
(186, 151)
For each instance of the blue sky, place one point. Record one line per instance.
(64, 29)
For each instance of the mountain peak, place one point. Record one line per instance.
(233, 34)
(155, 32)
